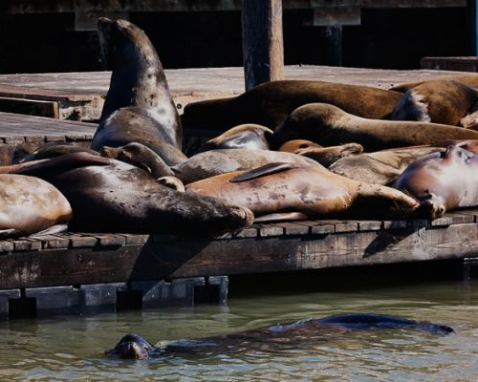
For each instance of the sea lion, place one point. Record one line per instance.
(247, 136)
(326, 156)
(296, 144)
(30, 205)
(140, 156)
(112, 196)
(270, 103)
(329, 126)
(440, 101)
(216, 162)
(442, 181)
(133, 346)
(138, 106)
(309, 189)
(470, 79)
(381, 167)
(55, 149)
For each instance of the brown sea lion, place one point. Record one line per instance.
(381, 167)
(470, 79)
(54, 149)
(30, 205)
(440, 101)
(270, 103)
(107, 195)
(216, 162)
(311, 190)
(296, 144)
(138, 106)
(140, 156)
(330, 126)
(132, 346)
(442, 182)
(247, 136)
(328, 155)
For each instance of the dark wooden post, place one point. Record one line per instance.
(262, 42)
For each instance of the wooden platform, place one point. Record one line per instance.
(80, 259)
(80, 96)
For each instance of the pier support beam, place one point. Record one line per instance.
(262, 41)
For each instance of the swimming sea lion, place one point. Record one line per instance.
(270, 103)
(440, 101)
(140, 156)
(247, 136)
(311, 190)
(216, 162)
(329, 126)
(132, 346)
(442, 181)
(113, 196)
(381, 167)
(30, 205)
(138, 106)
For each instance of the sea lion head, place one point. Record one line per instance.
(132, 346)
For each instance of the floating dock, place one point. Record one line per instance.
(78, 272)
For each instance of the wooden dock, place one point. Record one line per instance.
(80, 96)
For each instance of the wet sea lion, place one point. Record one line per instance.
(132, 346)
(329, 126)
(111, 196)
(381, 167)
(440, 101)
(30, 205)
(442, 181)
(270, 103)
(216, 162)
(140, 156)
(138, 106)
(247, 136)
(311, 190)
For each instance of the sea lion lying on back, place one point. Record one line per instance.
(331, 126)
(310, 190)
(133, 346)
(270, 103)
(442, 182)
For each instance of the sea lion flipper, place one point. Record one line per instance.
(268, 169)
(54, 229)
(285, 216)
(10, 233)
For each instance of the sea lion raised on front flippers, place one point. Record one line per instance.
(330, 126)
(247, 136)
(216, 162)
(308, 189)
(138, 106)
(29, 205)
(439, 101)
(442, 181)
(270, 103)
(133, 346)
(107, 195)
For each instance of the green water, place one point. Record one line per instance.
(71, 348)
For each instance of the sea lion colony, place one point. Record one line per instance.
(290, 149)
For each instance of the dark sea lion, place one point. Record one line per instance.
(270, 103)
(440, 101)
(330, 126)
(247, 136)
(54, 149)
(442, 181)
(140, 156)
(296, 144)
(138, 106)
(326, 156)
(470, 79)
(30, 205)
(113, 196)
(311, 190)
(216, 162)
(381, 167)
(132, 346)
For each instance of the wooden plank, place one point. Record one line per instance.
(262, 41)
